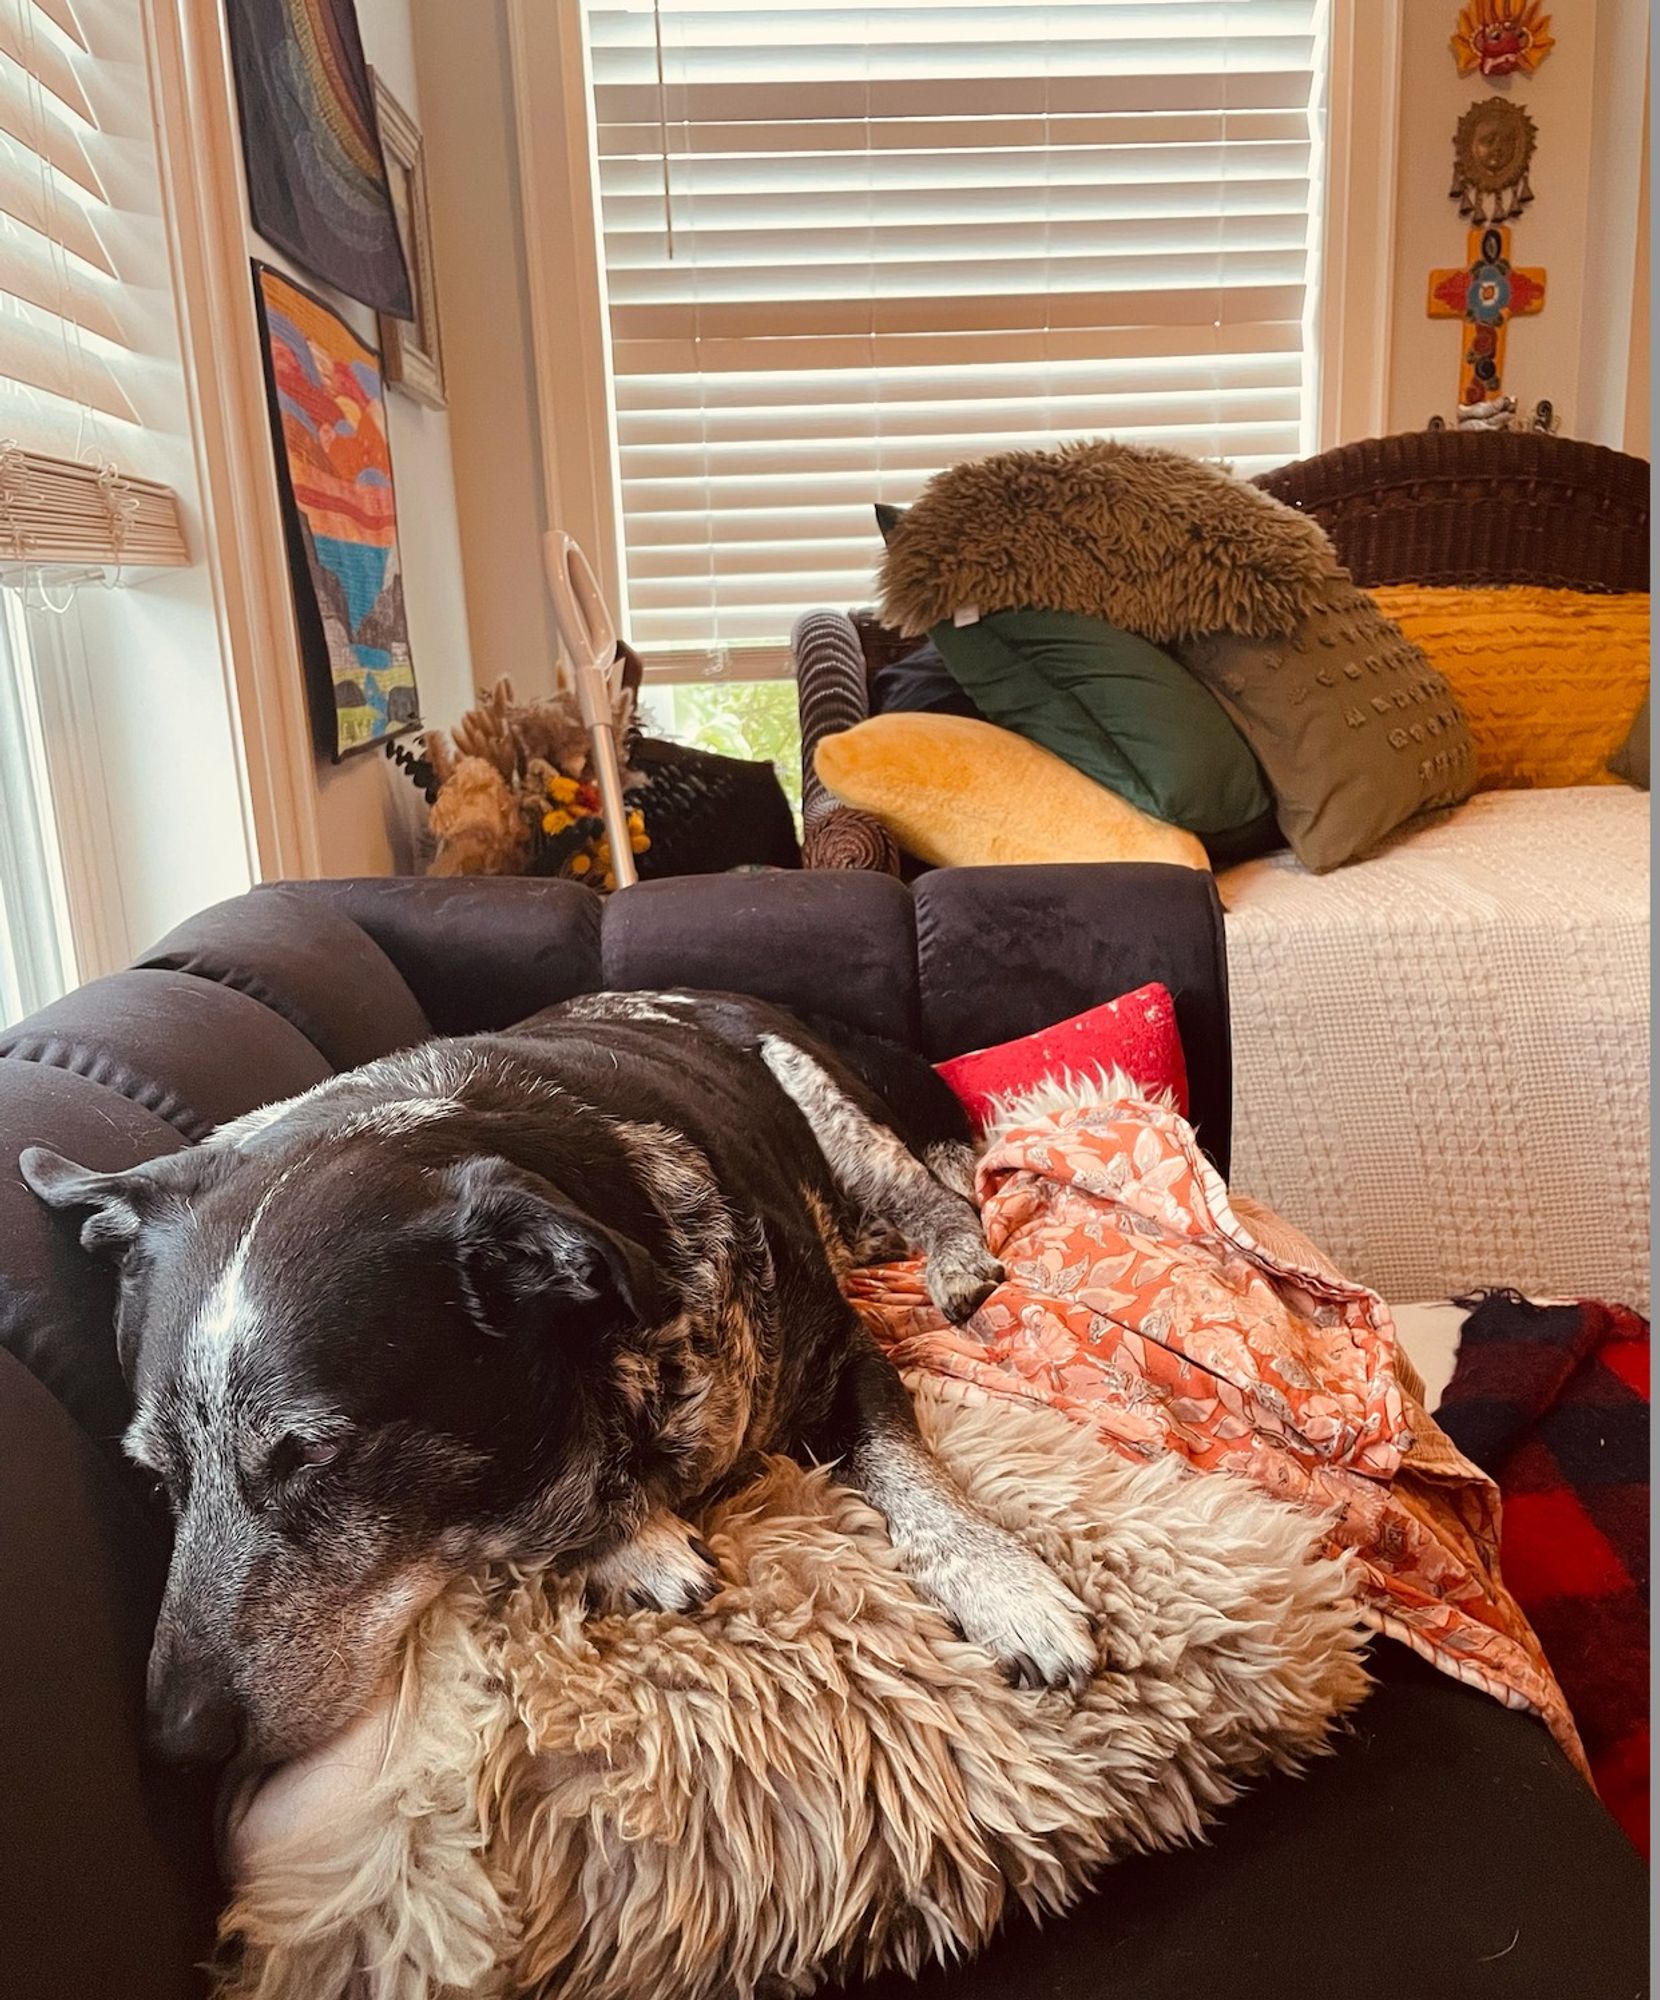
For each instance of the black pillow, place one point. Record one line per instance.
(920, 684)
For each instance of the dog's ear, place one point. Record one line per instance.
(529, 1260)
(120, 1203)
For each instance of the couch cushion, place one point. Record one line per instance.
(194, 1053)
(306, 961)
(480, 953)
(1003, 952)
(1445, 1851)
(831, 942)
(56, 1303)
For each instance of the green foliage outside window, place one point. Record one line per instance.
(755, 719)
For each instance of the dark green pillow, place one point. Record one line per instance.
(1122, 712)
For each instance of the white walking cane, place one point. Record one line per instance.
(589, 634)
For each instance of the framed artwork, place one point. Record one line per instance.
(317, 185)
(411, 351)
(328, 420)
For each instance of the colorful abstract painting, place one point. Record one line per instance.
(328, 409)
(317, 185)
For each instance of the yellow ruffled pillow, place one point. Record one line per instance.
(1548, 679)
(959, 793)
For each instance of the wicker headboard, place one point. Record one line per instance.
(1478, 507)
(1454, 507)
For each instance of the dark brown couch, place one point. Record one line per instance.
(1445, 1849)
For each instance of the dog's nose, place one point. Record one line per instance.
(193, 1720)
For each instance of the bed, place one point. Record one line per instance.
(1442, 1054)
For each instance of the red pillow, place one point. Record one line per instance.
(1136, 1033)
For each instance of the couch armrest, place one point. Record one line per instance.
(832, 695)
(110, 1886)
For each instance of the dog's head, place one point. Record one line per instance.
(360, 1365)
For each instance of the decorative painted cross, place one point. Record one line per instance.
(1487, 294)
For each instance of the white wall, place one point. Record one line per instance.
(1587, 100)
(368, 813)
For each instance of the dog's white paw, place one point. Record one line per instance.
(666, 1567)
(962, 1278)
(1000, 1596)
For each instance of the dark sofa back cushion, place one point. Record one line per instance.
(823, 942)
(193, 1052)
(305, 961)
(479, 953)
(1003, 952)
(485, 952)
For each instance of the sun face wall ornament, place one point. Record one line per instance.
(1492, 152)
(1501, 38)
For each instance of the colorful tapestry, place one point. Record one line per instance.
(328, 412)
(317, 184)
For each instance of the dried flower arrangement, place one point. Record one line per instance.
(511, 790)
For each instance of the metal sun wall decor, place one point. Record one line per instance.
(1501, 38)
(1492, 153)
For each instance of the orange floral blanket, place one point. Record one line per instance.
(1139, 1303)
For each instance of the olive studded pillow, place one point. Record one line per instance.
(1355, 730)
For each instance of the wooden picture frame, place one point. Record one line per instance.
(412, 352)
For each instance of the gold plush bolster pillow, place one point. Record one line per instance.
(960, 794)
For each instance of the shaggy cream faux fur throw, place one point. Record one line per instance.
(1151, 541)
(813, 1775)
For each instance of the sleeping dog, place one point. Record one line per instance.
(527, 1297)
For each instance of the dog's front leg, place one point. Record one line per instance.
(886, 1182)
(663, 1567)
(991, 1586)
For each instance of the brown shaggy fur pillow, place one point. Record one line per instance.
(812, 1776)
(1151, 541)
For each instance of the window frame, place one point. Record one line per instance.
(40, 954)
(240, 530)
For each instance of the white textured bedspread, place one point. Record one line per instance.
(1441, 1054)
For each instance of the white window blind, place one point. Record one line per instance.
(75, 240)
(847, 246)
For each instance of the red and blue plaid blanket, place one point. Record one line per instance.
(1553, 1401)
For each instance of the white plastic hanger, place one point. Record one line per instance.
(589, 634)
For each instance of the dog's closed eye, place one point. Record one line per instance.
(294, 1456)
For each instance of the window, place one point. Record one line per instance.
(76, 379)
(751, 719)
(94, 442)
(845, 246)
